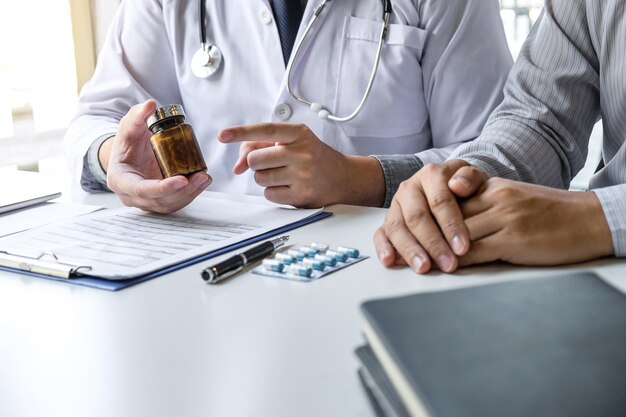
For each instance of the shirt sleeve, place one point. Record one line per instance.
(136, 45)
(540, 132)
(464, 67)
(397, 168)
(93, 177)
(612, 200)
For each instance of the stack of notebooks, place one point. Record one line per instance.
(540, 347)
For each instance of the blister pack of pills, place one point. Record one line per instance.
(308, 263)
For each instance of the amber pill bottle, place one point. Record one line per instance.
(174, 143)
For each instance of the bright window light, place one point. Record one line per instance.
(37, 67)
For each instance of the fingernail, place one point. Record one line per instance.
(146, 105)
(457, 244)
(462, 180)
(382, 255)
(416, 263)
(179, 185)
(445, 262)
(200, 181)
(226, 136)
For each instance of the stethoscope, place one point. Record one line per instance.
(208, 60)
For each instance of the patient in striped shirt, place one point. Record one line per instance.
(504, 196)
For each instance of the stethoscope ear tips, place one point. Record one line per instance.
(206, 61)
(316, 107)
(322, 113)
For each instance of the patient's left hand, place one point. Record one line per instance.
(297, 168)
(534, 225)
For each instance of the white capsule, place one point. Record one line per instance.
(313, 263)
(341, 257)
(273, 265)
(285, 258)
(322, 247)
(296, 254)
(351, 252)
(308, 251)
(328, 260)
(300, 270)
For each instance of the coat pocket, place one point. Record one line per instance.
(396, 105)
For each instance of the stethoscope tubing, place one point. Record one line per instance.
(202, 22)
(213, 57)
(322, 112)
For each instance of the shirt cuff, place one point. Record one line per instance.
(486, 166)
(93, 177)
(613, 200)
(397, 168)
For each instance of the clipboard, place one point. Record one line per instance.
(47, 265)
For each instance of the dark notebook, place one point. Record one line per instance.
(540, 347)
(378, 387)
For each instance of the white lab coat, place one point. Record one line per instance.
(441, 74)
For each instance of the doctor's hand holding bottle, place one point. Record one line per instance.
(133, 172)
(297, 168)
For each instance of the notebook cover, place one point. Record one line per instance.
(541, 347)
(369, 391)
(377, 384)
(116, 285)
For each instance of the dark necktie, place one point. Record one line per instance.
(288, 15)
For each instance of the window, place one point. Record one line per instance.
(37, 79)
(518, 17)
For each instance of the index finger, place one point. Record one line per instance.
(446, 211)
(272, 132)
(395, 242)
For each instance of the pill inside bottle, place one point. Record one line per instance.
(174, 142)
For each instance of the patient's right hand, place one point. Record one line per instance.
(133, 172)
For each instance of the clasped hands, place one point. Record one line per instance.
(450, 215)
(293, 165)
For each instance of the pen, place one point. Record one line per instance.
(229, 267)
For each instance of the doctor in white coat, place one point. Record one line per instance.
(441, 72)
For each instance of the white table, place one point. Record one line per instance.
(174, 346)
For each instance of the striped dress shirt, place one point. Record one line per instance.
(570, 73)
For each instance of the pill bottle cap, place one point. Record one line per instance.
(165, 112)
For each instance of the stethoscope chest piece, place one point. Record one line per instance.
(206, 61)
